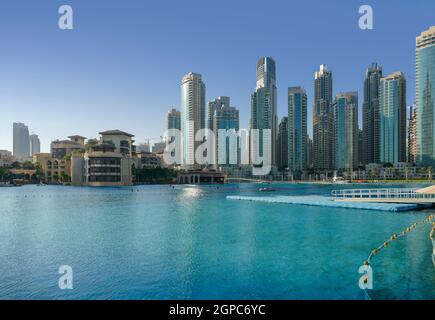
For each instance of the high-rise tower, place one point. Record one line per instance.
(371, 115)
(425, 96)
(392, 102)
(192, 114)
(322, 119)
(346, 131)
(297, 129)
(35, 144)
(264, 108)
(21, 142)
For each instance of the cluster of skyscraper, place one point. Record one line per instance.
(24, 145)
(338, 143)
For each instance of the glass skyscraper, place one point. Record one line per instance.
(214, 105)
(425, 96)
(392, 102)
(345, 112)
(173, 119)
(227, 146)
(35, 144)
(192, 114)
(371, 115)
(264, 107)
(297, 129)
(322, 119)
(21, 141)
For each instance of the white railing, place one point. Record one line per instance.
(381, 193)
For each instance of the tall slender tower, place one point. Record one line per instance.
(371, 115)
(392, 102)
(346, 131)
(322, 119)
(192, 114)
(425, 96)
(264, 107)
(35, 144)
(297, 129)
(21, 142)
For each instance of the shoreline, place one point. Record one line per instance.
(326, 183)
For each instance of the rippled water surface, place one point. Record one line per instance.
(189, 242)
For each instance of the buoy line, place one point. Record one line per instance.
(366, 280)
(432, 237)
(395, 237)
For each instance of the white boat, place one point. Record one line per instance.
(266, 189)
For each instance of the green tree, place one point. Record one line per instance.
(28, 165)
(91, 142)
(373, 172)
(64, 177)
(15, 164)
(4, 173)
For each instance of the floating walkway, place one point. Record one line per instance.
(324, 201)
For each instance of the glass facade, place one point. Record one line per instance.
(322, 119)
(425, 97)
(297, 129)
(392, 96)
(174, 120)
(345, 113)
(214, 105)
(261, 118)
(226, 118)
(371, 124)
(264, 108)
(192, 114)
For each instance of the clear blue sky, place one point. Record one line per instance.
(121, 65)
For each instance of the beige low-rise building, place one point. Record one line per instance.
(54, 170)
(64, 148)
(109, 162)
(102, 165)
(122, 141)
(148, 160)
(6, 158)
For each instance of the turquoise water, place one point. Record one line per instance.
(192, 243)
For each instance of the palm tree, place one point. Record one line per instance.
(422, 171)
(373, 173)
(406, 173)
(429, 173)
